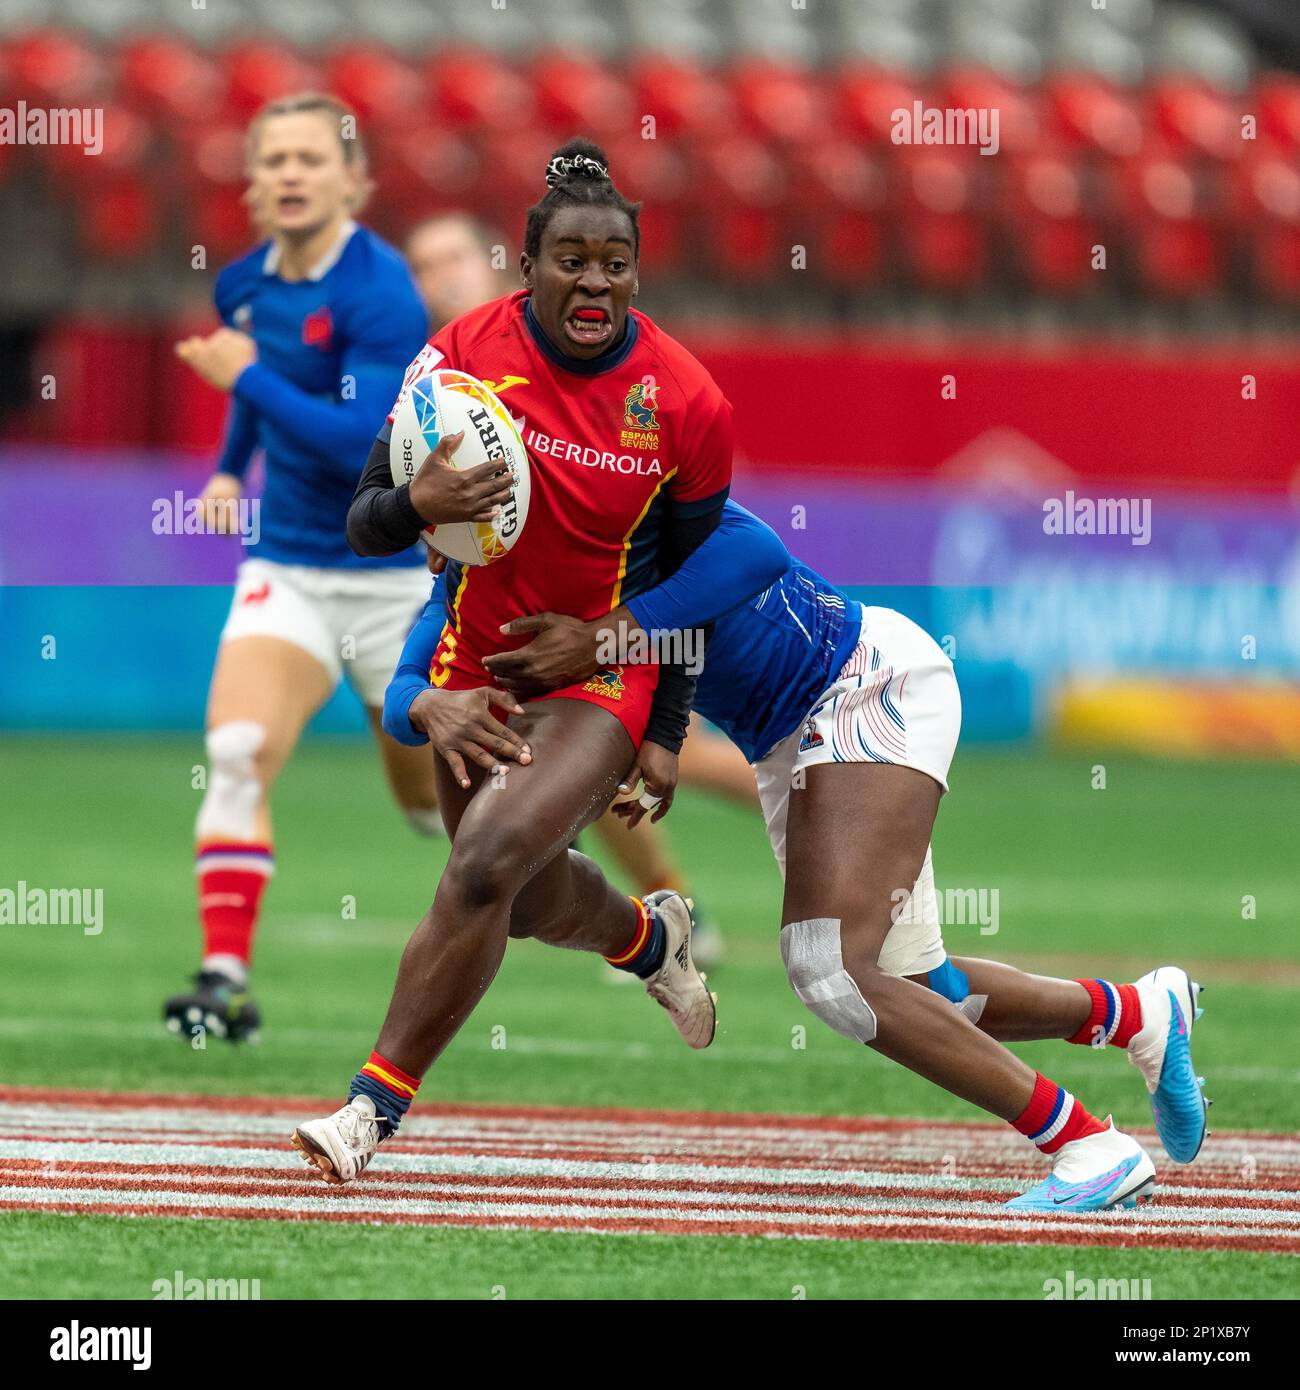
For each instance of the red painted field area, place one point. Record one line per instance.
(619, 1171)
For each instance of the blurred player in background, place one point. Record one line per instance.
(850, 715)
(451, 259)
(319, 322)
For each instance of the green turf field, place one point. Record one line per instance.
(1153, 868)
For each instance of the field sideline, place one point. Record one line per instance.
(895, 1190)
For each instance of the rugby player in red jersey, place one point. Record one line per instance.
(630, 443)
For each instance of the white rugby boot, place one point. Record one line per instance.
(1162, 1051)
(678, 984)
(1094, 1173)
(343, 1143)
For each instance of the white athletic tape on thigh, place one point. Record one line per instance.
(229, 809)
(811, 952)
(426, 820)
(973, 1006)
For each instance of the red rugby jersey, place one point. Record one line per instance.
(618, 445)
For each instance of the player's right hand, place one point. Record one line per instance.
(460, 725)
(442, 492)
(220, 501)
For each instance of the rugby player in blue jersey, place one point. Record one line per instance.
(851, 716)
(319, 322)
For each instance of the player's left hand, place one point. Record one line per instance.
(563, 652)
(220, 357)
(657, 768)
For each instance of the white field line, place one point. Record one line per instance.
(148, 1187)
(1212, 1224)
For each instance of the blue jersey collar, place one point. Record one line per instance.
(271, 261)
(612, 357)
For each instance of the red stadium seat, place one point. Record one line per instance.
(655, 172)
(944, 239)
(1178, 247)
(379, 86)
(212, 161)
(687, 101)
(52, 67)
(1087, 110)
(779, 103)
(1269, 199)
(167, 77)
(865, 97)
(745, 210)
(477, 93)
(517, 162)
(841, 191)
(1019, 119)
(579, 94)
(1054, 222)
(1195, 118)
(1278, 98)
(220, 224)
(259, 72)
(423, 169)
(128, 145)
(121, 221)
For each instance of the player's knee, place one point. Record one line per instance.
(235, 780)
(815, 965)
(481, 873)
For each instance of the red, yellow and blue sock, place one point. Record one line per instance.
(1115, 1016)
(644, 954)
(391, 1089)
(1053, 1117)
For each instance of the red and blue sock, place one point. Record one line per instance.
(1115, 1016)
(231, 879)
(391, 1089)
(644, 953)
(1053, 1117)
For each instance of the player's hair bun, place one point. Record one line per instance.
(577, 175)
(579, 159)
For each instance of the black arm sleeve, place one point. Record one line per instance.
(670, 711)
(381, 520)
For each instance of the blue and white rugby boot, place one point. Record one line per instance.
(1162, 1051)
(1094, 1173)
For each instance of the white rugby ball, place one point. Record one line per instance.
(446, 402)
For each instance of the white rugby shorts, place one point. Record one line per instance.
(352, 621)
(895, 700)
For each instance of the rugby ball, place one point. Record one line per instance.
(445, 402)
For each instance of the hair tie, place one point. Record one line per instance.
(578, 166)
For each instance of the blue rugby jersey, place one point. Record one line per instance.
(769, 660)
(331, 353)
